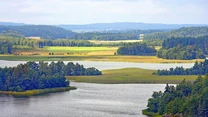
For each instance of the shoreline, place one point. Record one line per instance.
(104, 58)
(29, 93)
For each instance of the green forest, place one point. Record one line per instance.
(42, 75)
(185, 48)
(136, 49)
(199, 68)
(182, 32)
(186, 99)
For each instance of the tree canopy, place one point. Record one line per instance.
(198, 69)
(136, 49)
(41, 75)
(186, 99)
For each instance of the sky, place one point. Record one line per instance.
(55, 12)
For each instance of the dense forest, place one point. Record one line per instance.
(199, 68)
(182, 32)
(186, 48)
(136, 49)
(43, 31)
(185, 100)
(52, 32)
(183, 53)
(114, 34)
(41, 75)
(8, 44)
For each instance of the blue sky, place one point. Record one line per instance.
(104, 11)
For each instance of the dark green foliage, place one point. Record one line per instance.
(40, 75)
(114, 35)
(199, 42)
(183, 53)
(136, 49)
(185, 48)
(182, 32)
(188, 99)
(43, 31)
(198, 69)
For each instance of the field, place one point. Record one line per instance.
(110, 42)
(91, 57)
(130, 75)
(83, 50)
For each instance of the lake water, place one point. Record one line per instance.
(111, 65)
(89, 100)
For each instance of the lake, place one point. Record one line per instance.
(89, 100)
(112, 65)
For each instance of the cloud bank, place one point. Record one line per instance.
(97, 11)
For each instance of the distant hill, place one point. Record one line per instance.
(43, 31)
(124, 26)
(182, 32)
(11, 24)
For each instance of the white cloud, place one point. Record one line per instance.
(92, 11)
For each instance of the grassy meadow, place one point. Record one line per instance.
(130, 75)
(110, 42)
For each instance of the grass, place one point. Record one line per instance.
(130, 75)
(94, 56)
(79, 49)
(110, 42)
(150, 114)
(37, 92)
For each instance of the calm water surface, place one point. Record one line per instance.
(111, 65)
(89, 100)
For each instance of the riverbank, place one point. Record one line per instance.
(150, 114)
(37, 92)
(131, 75)
(108, 58)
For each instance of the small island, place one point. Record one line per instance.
(34, 78)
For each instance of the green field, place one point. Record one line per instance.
(79, 49)
(130, 75)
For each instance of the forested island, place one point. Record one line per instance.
(185, 100)
(199, 68)
(40, 77)
(136, 49)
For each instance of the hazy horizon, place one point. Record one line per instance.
(57, 12)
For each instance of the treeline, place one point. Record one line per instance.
(8, 44)
(114, 34)
(183, 53)
(136, 49)
(185, 100)
(41, 75)
(43, 31)
(185, 48)
(182, 32)
(198, 69)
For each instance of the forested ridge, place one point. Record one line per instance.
(199, 68)
(43, 31)
(32, 75)
(184, 48)
(136, 49)
(181, 32)
(114, 34)
(185, 100)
